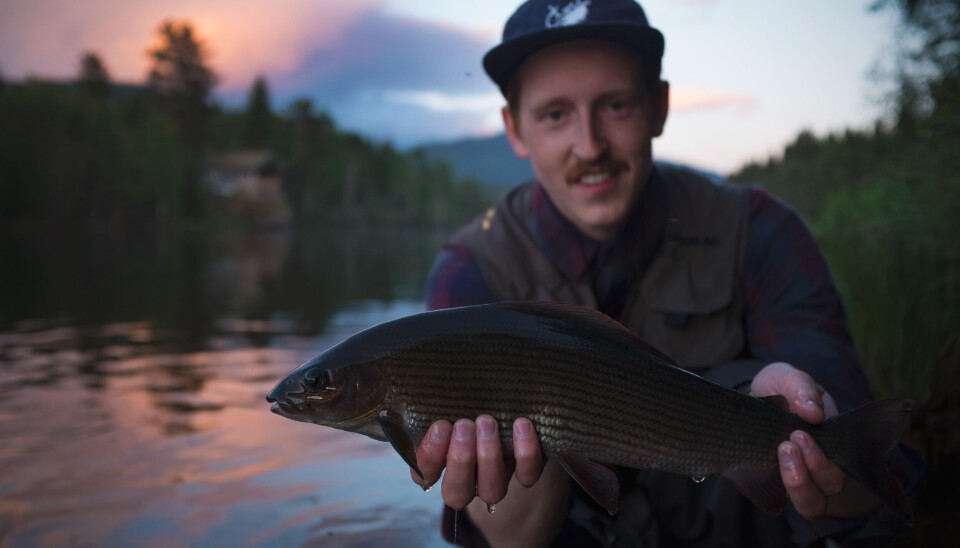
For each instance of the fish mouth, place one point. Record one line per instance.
(291, 410)
(286, 406)
(279, 409)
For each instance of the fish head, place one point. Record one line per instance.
(326, 392)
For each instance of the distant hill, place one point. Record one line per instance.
(492, 162)
(489, 161)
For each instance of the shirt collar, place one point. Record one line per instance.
(573, 252)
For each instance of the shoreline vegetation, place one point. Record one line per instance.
(884, 203)
(163, 155)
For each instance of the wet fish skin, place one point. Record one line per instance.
(596, 394)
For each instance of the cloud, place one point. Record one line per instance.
(244, 37)
(479, 112)
(397, 78)
(385, 75)
(379, 52)
(444, 102)
(684, 99)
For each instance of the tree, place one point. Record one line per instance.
(257, 119)
(935, 62)
(179, 64)
(94, 81)
(181, 80)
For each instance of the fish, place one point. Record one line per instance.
(598, 396)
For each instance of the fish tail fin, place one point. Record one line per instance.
(871, 431)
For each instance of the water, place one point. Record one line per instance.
(132, 383)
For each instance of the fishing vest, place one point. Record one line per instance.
(687, 303)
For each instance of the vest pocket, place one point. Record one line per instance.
(692, 314)
(694, 338)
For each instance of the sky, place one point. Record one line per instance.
(746, 75)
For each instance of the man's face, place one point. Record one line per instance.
(586, 125)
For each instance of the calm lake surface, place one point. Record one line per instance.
(133, 372)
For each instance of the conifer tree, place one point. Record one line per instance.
(257, 118)
(93, 79)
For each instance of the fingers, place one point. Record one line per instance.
(807, 499)
(826, 475)
(808, 476)
(829, 405)
(475, 465)
(805, 397)
(802, 394)
(473, 456)
(432, 454)
(460, 481)
(526, 451)
(491, 471)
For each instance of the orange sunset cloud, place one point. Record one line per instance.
(692, 99)
(244, 38)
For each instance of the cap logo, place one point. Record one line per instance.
(572, 14)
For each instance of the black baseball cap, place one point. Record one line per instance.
(540, 23)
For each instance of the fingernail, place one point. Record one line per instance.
(522, 429)
(486, 428)
(807, 398)
(439, 432)
(787, 457)
(463, 430)
(802, 441)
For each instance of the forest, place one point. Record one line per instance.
(884, 204)
(94, 152)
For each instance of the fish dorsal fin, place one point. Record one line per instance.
(777, 401)
(597, 480)
(396, 434)
(588, 318)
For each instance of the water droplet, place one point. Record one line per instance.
(698, 479)
(491, 508)
(456, 520)
(427, 488)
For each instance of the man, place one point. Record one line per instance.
(726, 281)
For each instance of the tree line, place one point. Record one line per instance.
(94, 151)
(884, 203)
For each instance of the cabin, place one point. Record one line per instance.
(249, 184)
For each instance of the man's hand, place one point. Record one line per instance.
(810, 479)
(473, 456)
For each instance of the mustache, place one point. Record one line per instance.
(606, 164)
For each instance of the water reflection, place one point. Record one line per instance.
(141, 420)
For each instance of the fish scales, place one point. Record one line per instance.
(592, 389)
(426, 372)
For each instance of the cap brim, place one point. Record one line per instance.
(502, 61)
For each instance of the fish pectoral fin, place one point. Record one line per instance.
(598, 480)
(396, 434)
(764, 488)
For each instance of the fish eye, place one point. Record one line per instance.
(318, 378)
